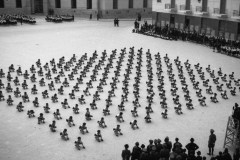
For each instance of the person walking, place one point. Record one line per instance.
(211, 142)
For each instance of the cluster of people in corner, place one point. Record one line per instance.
(156, 150)
(217, 43)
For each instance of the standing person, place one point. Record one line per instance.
(21, 20)
(168, 143)
(177, 146)
(98, 16)
(211, 142)
(90, 16)
(136, 151)
(191, 147)
(117, 22)
(72, 17)
(126, 154)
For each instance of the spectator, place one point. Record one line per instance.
(211, 142)
(144, 154)
(226, 155)
(165, 152)
(126, 154)
(136, 152)
(177, 146)
(168, 143)
(149, 147)
(199, 157)
(191, 147)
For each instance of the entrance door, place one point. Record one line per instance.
(187, 22)
(38, 6)
(172, 21)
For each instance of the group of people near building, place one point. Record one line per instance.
(7, 19)
(218, 44)
(59, 18)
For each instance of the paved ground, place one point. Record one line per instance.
(22, 138)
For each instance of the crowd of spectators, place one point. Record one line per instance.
(167, 150)
(218, 44)
(7, 19)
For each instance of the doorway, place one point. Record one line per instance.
(38, 6)
(187, 22)
(172, 21)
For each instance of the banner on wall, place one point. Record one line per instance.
(227, 35)
(191, 28)
(208, 31)
(162, 23)
(213, 33)
(176, 25)
(197, 28)
(232, 36)
(181, 26)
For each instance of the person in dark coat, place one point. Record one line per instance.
(211, 142)
(191, 147)
(144, 155)
(136, 151)
(226, 155)
(164, 153)
(177, 146)
(126, 154)
(168, 143)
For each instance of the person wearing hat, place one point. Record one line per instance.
(126, 154)
(211, 142)
(191, 147)
(136, 151)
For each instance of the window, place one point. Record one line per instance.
(145, 3)
(74, 3)
(130, 4)
(89, 4)
(222, 6)
(235, 13)
(1, 3)
(18, 3)
(160, 1)
(57, 3)
(172, 3)
(167, 6)
(115, 4)
(187, 4)
(204, 5)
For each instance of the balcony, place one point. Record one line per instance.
(169, 9)
(236, 15)
(216, 13)
(183, 10)
(200, 12)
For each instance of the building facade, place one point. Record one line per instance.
(212, 17)
(105, 8)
